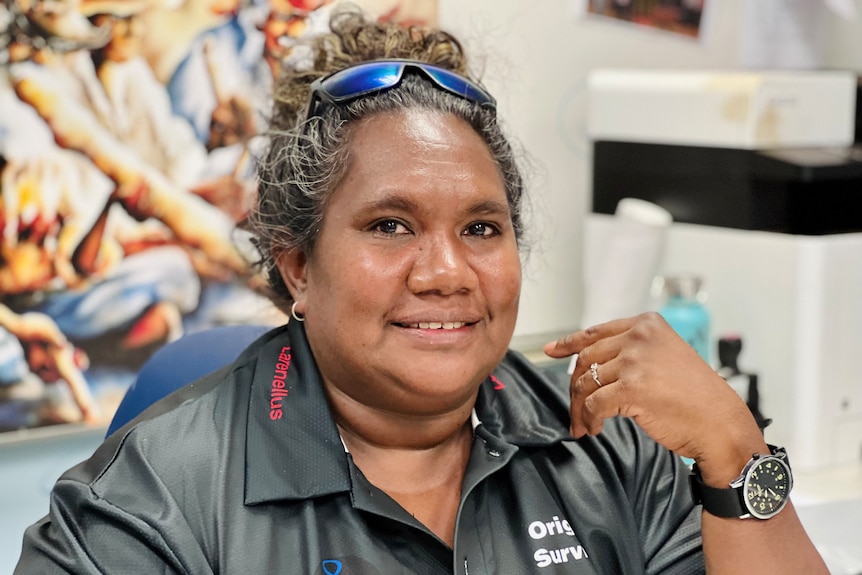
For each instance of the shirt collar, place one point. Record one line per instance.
(522, 406)
(294, 450)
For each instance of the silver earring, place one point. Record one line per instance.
(295, 315)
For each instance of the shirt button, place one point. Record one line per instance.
(493, 453)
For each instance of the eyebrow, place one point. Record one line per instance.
(490, 207)
(392, 202)
(403, 204)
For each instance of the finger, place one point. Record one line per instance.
(576, 341)
(584, 387)
(610, 328)
(595, 411)
(578, 392)
(601, 352)
(605, 402)
(565, 346)
(593, 379)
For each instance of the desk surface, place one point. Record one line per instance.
(829, 503)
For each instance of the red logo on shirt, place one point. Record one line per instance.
(279, 391)
(498, 385)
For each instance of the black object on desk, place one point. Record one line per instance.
(729, 348)
(807, 191)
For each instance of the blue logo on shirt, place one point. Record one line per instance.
(332, 567)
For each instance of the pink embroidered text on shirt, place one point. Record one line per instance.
(279, 388)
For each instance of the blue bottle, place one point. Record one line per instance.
(684, 311)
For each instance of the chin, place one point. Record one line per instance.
(444, 382)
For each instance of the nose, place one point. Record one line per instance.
(442, 265)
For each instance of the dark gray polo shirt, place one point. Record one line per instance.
(244, 472)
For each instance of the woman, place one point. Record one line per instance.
(387, 429)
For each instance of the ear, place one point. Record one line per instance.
(293, 266)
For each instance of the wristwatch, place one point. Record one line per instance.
(761, 490)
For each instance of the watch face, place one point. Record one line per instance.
(767, 487)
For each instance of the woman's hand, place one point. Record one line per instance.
(647, 372)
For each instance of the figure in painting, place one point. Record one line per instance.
(102, 247)
(128, 133)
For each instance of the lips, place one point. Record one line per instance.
(436, 325)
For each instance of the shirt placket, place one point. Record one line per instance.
(473, 553)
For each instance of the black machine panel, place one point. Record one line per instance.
(812, 191)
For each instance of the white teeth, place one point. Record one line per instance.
(439, 325)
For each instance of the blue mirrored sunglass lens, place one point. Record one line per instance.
(375, 76)
(458, 85)
(355, 82)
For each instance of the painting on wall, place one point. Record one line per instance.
(675, 16)
(128, 131)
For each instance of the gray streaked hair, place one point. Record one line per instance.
(306, 161)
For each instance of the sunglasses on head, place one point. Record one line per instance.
(380, 75)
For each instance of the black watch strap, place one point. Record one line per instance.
(719, 502)
(728, 501)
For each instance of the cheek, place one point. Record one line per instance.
(358, 279)
(502, 280)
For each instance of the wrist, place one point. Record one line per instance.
(725, 462)
(761, 490)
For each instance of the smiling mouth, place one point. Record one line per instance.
(435, 325)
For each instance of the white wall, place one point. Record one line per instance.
(536, 56)
(843, 49)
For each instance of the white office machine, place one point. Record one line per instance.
(760, 173)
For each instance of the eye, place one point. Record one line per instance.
(390, 227)
(481, 229)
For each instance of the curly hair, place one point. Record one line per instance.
(305, 161)
(27, 27)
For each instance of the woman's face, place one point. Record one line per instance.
(126, 40)
(411, 293)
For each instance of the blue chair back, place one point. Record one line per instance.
(181, 362)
